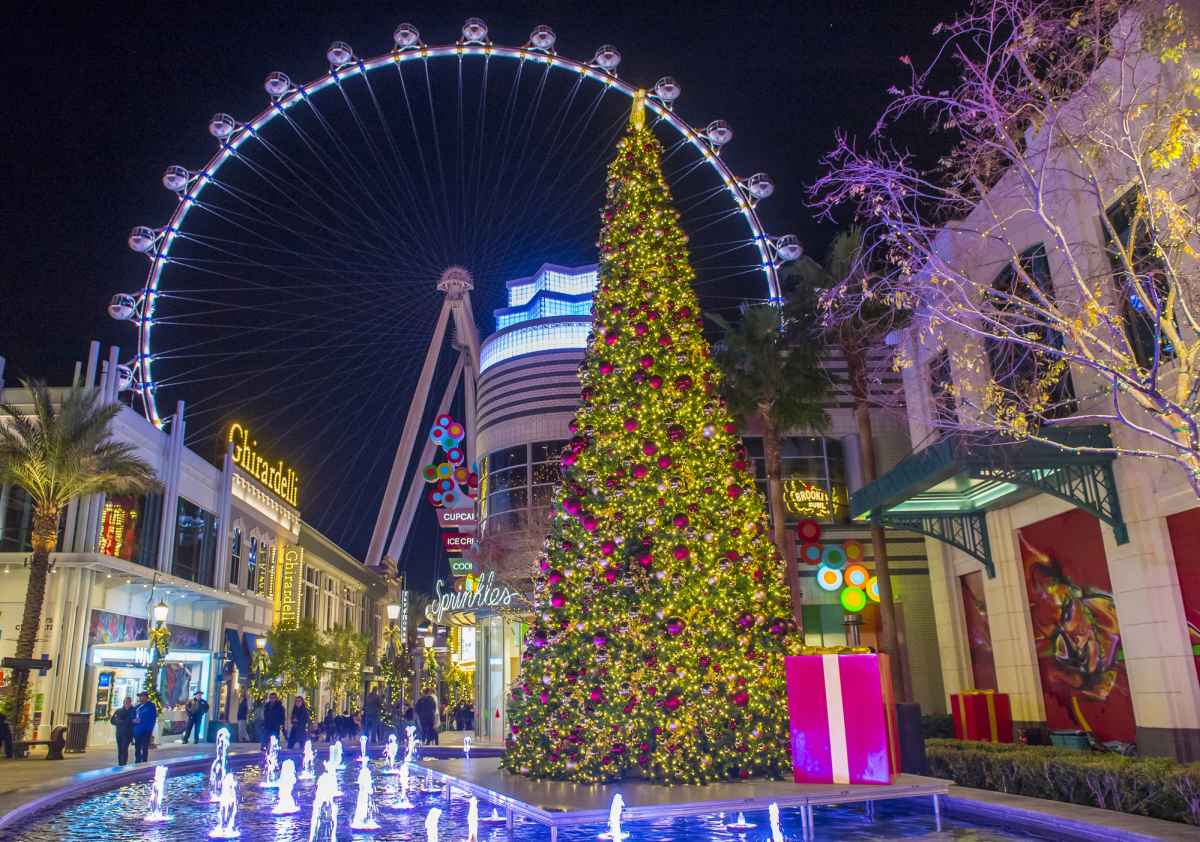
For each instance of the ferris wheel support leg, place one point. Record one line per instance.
(400, 535)
(412, 422)
(470, 382)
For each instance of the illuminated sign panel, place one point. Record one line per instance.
(487, 594)
(461, 566)
(289, 577)
(451, 518)
(456, 542)
(806, 499)
(278, 477)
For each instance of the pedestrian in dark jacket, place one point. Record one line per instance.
(426, 710)
(122, 720)
(273, 718)
(329, 725)
(197, 708)
(243, 713)
(300, 716)
(144, 717)
(6, 736)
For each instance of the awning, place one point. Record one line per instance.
(946, 490)
(237, 652)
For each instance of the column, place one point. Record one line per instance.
(947, 612)
(1010, 625)
(1154, 631)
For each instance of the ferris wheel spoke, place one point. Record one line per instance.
(424, 165)
(322, 232)
(326, 262)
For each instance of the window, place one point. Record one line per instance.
(517, 479)
(1128, 218)
(252, 564)
(941, 387)
(195, 543)
(129, 527)
(814, 477)
(347, 609)
(312, 593)
(1017, 369)
(235, 556)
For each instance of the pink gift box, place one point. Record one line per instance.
(843, 719)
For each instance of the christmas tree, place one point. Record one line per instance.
(662, 616)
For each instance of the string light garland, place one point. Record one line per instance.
(662, 613)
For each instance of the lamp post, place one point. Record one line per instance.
(258, 667)
(160, 644)
(393, 652)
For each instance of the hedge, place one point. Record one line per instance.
(1145, 786)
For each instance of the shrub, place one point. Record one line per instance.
(937, 725)
(1146, 786)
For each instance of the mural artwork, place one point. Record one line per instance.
(1075, 628)
(1184, 529)
(979, 635)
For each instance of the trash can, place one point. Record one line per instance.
(1072, 740)
(78, 725)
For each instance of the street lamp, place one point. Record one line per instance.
(260, 643)
(160, 612)
(393, 611)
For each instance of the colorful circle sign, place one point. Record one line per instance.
(873, 589)
(810, 553)
(429, 472)
(828, 578)
(857, 576)
(443, 421)
(853, 600)
(854, 551)
(809, 531)
(833, 556)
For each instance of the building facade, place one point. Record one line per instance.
(222, 551)
(1068, 580)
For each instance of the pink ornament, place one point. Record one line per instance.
(570, 505)
(675, 432)
(631, 424)
(600, 640)
(544, 697)
(664, 461)
(645, 559)
(681, 552)
(664, 340)
(596, 694)
(640, 328)
(741, 698)
(656, 382)
(730, 427)
(606, 367)
(589, 523)
(553, 578)
(674, 626)
(610, 338)
(647, 361)
(568, 459)
(608, 548)
(683, 383)
(734, 492)
(557, 599)
(680, 521)
(649, 448)
(639, 470)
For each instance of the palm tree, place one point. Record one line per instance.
(843, 260)
(56, 456)
(772, 372)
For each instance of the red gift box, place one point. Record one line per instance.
(843, 719)
(982, 715)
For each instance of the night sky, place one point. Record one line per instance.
(100, 104)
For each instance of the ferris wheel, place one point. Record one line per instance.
(293, 282)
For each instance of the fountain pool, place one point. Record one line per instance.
(106, 816)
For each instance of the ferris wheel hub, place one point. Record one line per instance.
(455, 281)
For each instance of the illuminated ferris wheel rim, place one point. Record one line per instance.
(344, 64)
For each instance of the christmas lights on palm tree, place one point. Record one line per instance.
(662, 615)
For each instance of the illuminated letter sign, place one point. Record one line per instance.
(278, 477)
(290, 574)
(456, 517)
(456, 542)
(487, 594)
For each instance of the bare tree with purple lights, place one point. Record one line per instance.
(1076, 148)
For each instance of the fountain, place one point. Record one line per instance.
(467, 746)
(473, 820)
(494, 818)
(740, 823)
(430, 785)
(324, 809)
(216, 773)
(776, 831)
(227, 809)
(362, 749)
(405, 803)
(614, 831)
(157, 808)
(364, 808)
(335, 756)
(431, 823)
(271, 767)
(389, 754)
(306, 770)
(287, 782)
(410, 747)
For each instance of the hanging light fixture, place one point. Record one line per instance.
(160, 612)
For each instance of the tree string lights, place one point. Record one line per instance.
(662, 615)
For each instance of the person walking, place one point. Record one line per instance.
(144, 717)
(6, 736)
(197, 708)
(329, 725)
(243, 713)
(426, 710)
(300, 716)
(273, 719)
(372, 708)
(122, 720)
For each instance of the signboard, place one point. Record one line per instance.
(466, 645)
(461, 566)
(810, 500)
(487, 594)
(278, 477)
(457, 542)
(403, 619)
(451, 518)
(289, 579)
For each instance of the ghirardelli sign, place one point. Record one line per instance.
(457, 542)
(456, 517)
